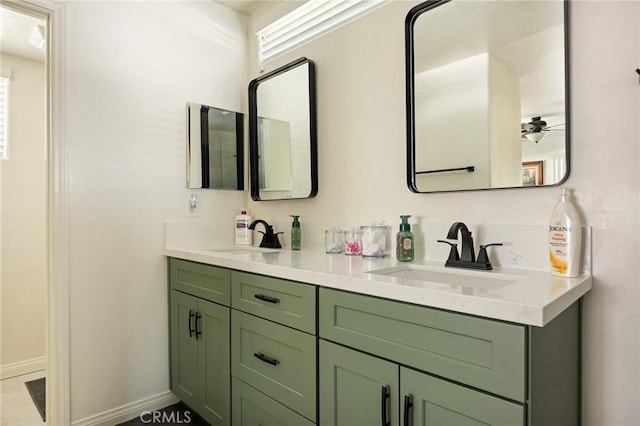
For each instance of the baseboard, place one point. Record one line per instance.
(22, 367)
(130, 411)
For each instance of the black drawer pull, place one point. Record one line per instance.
(191, 330)
(198, 332)
(385, 397)
(408, 404)
(265, 358)
(265, 298)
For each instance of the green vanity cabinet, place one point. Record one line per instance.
(254, 350)
(356, 389)
(442, 368)
(204, 281)
(289, 303)
(483, 353)
(200, 341)
(277, 360)
(427, 400)
(273, 351)
(253, 408)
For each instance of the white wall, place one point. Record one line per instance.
(361, 119)
(23, 283)
(130, 69)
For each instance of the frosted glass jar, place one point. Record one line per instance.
(353, 242)
(374, 240)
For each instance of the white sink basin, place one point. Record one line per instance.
(244, 250)
(486, 280)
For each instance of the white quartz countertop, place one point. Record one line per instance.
(527, 297)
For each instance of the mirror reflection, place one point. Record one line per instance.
(486, 95)
(274, 151)
(282, 133)
(214, 148)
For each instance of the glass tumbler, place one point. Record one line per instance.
(353, 242)
(333, 241)
(374, 240)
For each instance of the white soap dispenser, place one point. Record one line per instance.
(565, 237)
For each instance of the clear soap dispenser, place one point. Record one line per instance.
(404, 243)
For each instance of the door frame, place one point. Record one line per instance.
(57, 316)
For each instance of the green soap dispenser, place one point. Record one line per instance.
(404, 242)
(296, 233)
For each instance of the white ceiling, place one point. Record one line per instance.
(15, 31)
(243, 6)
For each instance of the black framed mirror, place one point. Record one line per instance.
(487, 95)
(283, 133)
(215, 148)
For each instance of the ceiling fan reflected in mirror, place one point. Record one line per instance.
(536, 128)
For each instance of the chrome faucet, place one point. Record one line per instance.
(467, 257)
(269, 238)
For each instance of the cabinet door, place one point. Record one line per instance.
(214, 362)
(356, 389)
(427, 400)
(286, 302)
(253, 408)
(277, 360)
(204, 281)
(479, 352)
(184, 348)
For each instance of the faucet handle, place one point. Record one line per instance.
(483, 257)
(453, 253)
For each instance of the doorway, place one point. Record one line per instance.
(24, 213)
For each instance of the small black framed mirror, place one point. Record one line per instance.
(283, 133)
(215, 148)
(487, 94)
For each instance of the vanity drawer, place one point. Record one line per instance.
(253, 408)
(205, 281)
(482, 353)
(276, 360)
(285, 302)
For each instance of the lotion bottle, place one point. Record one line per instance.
(244, 236)
(565, 238)
(404, 242)
(296, 234)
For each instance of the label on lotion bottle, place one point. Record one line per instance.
(565, 238)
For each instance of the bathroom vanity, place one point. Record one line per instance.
(302, 338)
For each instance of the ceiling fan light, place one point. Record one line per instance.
(535, 136)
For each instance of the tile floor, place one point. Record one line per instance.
(16, 406)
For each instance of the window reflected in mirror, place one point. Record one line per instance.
(274, 151)
(214, 148)
(486, 95)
